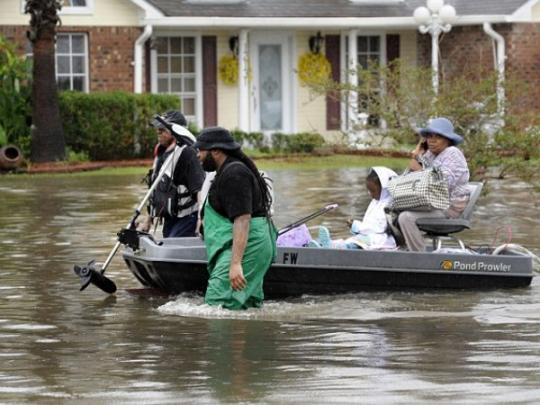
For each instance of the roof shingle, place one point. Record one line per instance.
(325, 8)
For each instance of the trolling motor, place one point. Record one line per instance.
(89, 273)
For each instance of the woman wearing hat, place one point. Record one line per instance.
(240, 239)
(437, 148)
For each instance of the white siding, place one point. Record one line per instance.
(227, 95)
(536, 13)
(106, 13)
(311, 108)
(408, 47)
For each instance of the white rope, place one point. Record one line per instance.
(515, 248)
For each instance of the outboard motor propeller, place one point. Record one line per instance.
(90, 275)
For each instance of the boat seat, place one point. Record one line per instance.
(438, 229)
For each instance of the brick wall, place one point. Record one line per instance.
(523, 51)
(15, 34)
(466, 47)
(110, 56)
(110, 53)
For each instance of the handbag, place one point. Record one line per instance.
(296, 237)
(423, 190)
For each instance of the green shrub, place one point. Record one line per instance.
(15, 109)
(304, 142)
(112, 125)
(279, 142)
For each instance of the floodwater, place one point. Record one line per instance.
(59, 345)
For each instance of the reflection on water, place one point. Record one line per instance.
(60, 345)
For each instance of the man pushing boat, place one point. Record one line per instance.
(239, 236)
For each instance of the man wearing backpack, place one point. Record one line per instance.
(176, 198)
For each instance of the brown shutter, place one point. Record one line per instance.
(147, 64)
(333, 108)
(209, 55)
(392, 47)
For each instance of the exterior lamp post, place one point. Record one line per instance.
(435, 19)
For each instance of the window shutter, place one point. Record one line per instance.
(333, 108)
(209, 57)
(392, 47)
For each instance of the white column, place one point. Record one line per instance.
(138, 59)
(435, 60)
(352, 68)
(243, 81)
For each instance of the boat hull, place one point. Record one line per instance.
(179, 265)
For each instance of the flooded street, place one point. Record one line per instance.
(59, 345)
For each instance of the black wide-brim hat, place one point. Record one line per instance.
(172, 117)
(216, 138)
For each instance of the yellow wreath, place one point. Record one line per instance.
(228, 69)
(313, 69)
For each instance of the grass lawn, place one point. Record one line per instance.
(280, 163)
(330, 162)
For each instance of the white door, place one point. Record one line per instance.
(271, 84)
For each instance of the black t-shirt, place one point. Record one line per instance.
(235, 191)
(188, 171)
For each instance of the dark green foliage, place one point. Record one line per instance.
(252, 140)
(304, 142)
(112, 125)
(15, 110)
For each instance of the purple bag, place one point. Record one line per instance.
(296, 237)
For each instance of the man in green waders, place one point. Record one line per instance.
(240, 239)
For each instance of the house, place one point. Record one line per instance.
(175, 46)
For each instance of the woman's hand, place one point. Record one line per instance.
(419, 150)
(416, 154)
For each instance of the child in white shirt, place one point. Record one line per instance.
(371, 232)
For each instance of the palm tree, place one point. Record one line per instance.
(48, 142)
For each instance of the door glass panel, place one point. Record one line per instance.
(271, 104)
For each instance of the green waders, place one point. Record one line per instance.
(258, 256)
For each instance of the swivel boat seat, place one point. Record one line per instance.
(438, 229)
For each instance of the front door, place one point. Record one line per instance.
(271, 95)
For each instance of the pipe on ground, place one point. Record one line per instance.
(10, 157)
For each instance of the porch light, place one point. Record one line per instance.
(233, 45)
(435, 19)
(315, 43)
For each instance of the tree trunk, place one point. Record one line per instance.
(48, 142)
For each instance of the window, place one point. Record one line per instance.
(176, 71)
(370, 53)
(72, 62)
(74, 3)
(77, 7)
(369, 50)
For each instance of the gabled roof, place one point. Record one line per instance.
(325, 8)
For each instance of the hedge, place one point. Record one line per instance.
(303, 142)
(112, 125)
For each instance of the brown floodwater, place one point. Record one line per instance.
(59, 345)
